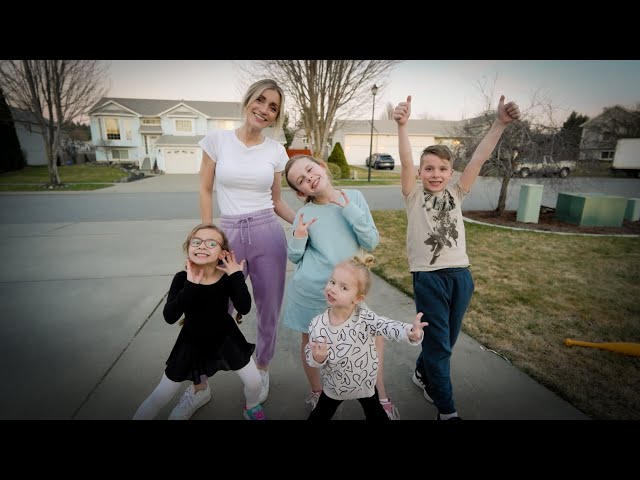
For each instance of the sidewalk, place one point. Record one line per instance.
(85, 326)
(83, 335)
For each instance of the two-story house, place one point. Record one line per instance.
(161, 133)
(601, 133)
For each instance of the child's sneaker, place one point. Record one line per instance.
(456, 417)
(391, 410)
(417, 379)
(313, 399)
(255, 413)
(190, 402)
(264, 393)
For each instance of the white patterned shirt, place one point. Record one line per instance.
(351, 368)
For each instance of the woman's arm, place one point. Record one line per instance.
(281, 208)
(207, 176)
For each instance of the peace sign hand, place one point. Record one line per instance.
(346, 199)
(302, 228)
(416, 333)
(319, 350)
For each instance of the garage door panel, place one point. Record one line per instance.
(182, 160)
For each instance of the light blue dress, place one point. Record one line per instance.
(337, 235)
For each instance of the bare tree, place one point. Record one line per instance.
(536, 134)
(55, 92)
(324, 90)
(387, 111)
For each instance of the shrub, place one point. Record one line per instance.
(337, 157)
(335, 170)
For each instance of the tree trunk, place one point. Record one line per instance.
(502, 199)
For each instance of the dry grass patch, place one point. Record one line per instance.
(533, 290)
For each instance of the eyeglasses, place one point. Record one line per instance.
(210, 243)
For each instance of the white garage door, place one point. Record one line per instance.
(181, 160)
(356, 148)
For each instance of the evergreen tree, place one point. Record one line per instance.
(337, 157)
(10, 153)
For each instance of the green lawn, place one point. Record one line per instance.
(533, 290)
(74, 177)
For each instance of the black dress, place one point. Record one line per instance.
(210, 339)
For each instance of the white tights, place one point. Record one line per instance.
(166, 389)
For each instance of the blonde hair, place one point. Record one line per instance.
(255, 90)
(440, 151)
(361, 266)
(293, 160)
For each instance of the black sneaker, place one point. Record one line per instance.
(417, 379)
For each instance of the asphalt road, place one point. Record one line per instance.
(173, 197)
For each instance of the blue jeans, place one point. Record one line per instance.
(443, 296)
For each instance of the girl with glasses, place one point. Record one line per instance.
(209, 340)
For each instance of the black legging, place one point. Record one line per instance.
(326, 408)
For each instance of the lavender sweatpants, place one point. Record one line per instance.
(259, 239)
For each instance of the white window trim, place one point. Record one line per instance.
(180, 132)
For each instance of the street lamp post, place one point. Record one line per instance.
(374, 90)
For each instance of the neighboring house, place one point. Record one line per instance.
(355, 137)
(142, 131)
(601, 133)
(32, 141)
(30, 136)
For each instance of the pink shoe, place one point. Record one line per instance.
(255, 413)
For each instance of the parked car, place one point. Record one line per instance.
(546, 167)
(381, 160)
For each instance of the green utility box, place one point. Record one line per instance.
(591, 209)
(529, 206)
(632, 213)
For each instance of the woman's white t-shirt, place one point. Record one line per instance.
(244, 175)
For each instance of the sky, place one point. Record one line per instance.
(440, 89)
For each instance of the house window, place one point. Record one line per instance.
(127, 129)
(608, 155)
(120, 154)
(230, 125)
(305, 141)
(113, 129)
(185, 126)
(151, 121)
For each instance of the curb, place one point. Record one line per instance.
(466, 219)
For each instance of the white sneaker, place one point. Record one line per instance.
(190, 402)
(264, 393)
(417, 379)
(313, 399)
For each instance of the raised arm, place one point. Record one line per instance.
(207, 176)
(401, 115)
(281, 208)
(505, 115)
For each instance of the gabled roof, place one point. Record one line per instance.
(436, 128)
(609, 112)
(153, 108)
(24, 116)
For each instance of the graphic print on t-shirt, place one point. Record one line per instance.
(444, 225)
